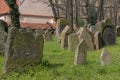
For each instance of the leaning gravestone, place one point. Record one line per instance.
(23, 47)
(72, 42)
(81, 53)
(83, 33)
(105, 57)
(98, 40)
(64, 37)
(99, 26)
(48, 35)
(3, 35)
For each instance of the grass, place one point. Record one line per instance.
(58, 64)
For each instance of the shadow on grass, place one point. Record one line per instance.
(49, 65)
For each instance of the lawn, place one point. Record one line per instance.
(58, 64)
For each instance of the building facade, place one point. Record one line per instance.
(33, 13)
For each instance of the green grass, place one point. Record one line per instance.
(58, 64)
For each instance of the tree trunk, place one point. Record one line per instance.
(69, 13)
(101, 10)
(115, 12)
(77, 3)
(86, 6)
(57, 6)
(53, 9)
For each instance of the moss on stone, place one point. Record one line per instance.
(62, 22)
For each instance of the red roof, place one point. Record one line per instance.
(36, 25)
(4, 8)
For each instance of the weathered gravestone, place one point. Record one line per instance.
(109, 36)
(64, 37)
(98, 42)
(23, 47)
(118, 31)
(105, 57)
(61, 24)
(109, 33)
(48, 35)
(3, 35)
(72, 42)
(99, 26)
(107, 30)
(83, 33)
(81, 53)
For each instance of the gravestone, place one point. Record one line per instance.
(81, 53)
(48, 35)
(118, 31)
(83, 33)
(72, 42)
(99, 26)
(64, 37)
(109, 36)
(23, 47)
(3, 35)
(105, 57)
(61, 24)
(92, 29)
(98, 42)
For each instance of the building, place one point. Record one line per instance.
(33, 13)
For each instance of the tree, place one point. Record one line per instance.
(115, 11)
(14, 13)
(53, 9)
(92, 12)
(101, 10)
(77, 5)
(69, 11)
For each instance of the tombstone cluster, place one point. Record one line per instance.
(86, 39)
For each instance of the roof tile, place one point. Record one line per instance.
(4, 8)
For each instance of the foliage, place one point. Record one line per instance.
(80, 22)
(62, 22)
(14, 12)
(92, 14)
(58, 65)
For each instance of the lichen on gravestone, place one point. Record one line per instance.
(81, 53)
(3, 35)
(23, 47)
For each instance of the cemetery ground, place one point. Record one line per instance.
(58, 64)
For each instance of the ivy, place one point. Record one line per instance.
(14, 13)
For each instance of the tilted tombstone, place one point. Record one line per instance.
(48, 35)
(98, 42)
(81, 53)
(23, 47)
(3, 35)
(72, 42)
(99, 26)
(83, 33)
(105, 57)
(64, 37)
